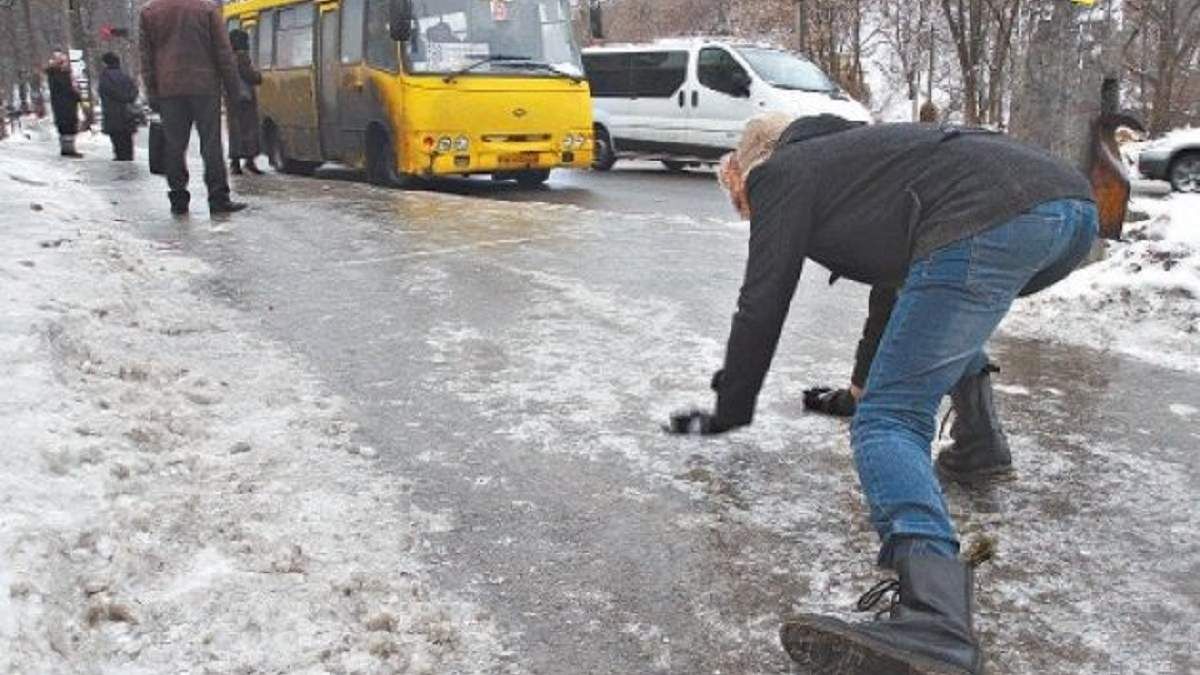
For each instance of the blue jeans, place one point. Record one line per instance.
(951, 303)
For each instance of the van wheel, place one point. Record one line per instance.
(605, 154)
(532, 178)
(277, 154)
(673, 166)
(381, 162)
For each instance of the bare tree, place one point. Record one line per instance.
(1161, 55)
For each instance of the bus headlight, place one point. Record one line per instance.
(444, 144)
(462, 144)
(568, 142)
(580, 141)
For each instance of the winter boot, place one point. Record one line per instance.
(925, 630)
(179, 201)
(980, 450)
(253, 168)
(67, 146)
(235, 167)
(225, 205)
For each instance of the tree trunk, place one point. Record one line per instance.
(1060, 92)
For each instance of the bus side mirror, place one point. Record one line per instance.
(400, 19)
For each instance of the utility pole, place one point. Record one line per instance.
(802, 26)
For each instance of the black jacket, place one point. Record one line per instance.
(64, 100)
(865, 202)
(117, 92)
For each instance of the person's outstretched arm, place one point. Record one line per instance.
(779, 233)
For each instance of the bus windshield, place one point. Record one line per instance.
(532, 37)
(786, 71)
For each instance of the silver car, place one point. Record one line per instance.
(1174, 158)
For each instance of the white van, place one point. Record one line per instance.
(685, 102)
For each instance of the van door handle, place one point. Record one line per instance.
(695, 99)
(682, 98)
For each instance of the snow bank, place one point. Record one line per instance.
(1143, 299)
(178, 495)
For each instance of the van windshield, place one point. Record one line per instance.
(786, 71)
(493, 36)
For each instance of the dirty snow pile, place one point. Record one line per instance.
(1142, 299)
(177, 495)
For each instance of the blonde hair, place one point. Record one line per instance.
(759, 139)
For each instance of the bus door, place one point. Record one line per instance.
(328, 81)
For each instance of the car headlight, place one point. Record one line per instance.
(462, 144)
(444, 144)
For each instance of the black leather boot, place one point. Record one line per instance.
(980, 451)
(179, 201)
(235, 167)
(927, 628)
(225, 205)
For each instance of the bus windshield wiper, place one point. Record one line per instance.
(552, 68)
(482, 62)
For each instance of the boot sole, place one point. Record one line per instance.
(830, 647)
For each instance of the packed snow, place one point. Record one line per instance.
(178, 492)
(1142, 298)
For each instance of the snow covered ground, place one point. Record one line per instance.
(1143, 299)
(177, 492)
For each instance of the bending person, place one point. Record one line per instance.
(965, 221)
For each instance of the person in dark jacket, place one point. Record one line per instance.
(118, 95)
(964, 221)
(243, 112)
(64, 101)
(186, 61)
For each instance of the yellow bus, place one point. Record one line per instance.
(420, 88)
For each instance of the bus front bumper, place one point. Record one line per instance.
(505, 162)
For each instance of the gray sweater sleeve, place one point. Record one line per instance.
(779, 233)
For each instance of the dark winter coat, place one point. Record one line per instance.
(185, 50)
(64, 100)
(865, 202)
(243, 112)
(117, 93)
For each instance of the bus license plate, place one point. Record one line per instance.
(519, 159)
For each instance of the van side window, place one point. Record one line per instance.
(658, 74)
(352, 30)
(266, 39)
(610, 75)
(294, 37)
(720, 72)
(382, 50)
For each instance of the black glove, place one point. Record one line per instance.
(694, 422)
(836, 402)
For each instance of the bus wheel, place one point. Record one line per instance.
(606, 154)
(381, 162)
(674, 167)
(532, 178)
(277, 154)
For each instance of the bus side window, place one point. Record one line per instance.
(352, 30)
(294, 37)
(266, 39)
(382, 51)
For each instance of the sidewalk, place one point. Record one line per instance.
(177, 492)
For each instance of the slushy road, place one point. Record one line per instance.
(511, 355)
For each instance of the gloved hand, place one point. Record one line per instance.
(154, 104)
(836, 402)
(694, 422)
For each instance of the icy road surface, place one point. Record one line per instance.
(511, 362)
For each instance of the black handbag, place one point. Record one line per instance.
(158, 149)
